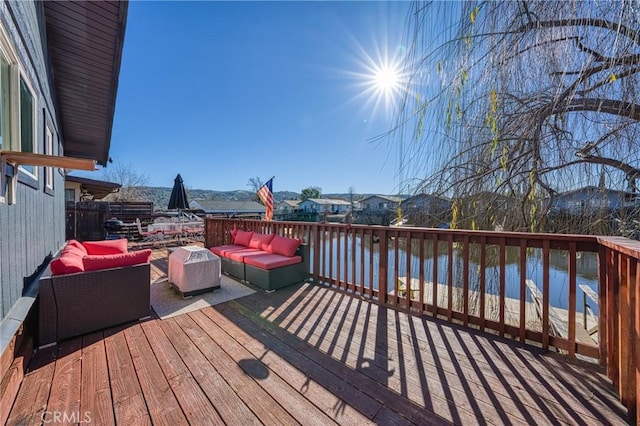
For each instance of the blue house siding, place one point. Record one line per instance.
(34, 227)
(589, 200)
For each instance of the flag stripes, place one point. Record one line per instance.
(265, 193)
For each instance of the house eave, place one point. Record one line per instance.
(85, 41)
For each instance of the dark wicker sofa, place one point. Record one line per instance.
(265, 260)
(75, 304)
(91, 286)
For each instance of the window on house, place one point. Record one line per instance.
(70, 194)
(27, 123)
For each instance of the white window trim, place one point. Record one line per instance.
(9, 53)
(23, 76)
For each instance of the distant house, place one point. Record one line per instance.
(591, 199)
(228, 208)
(374, 203)
(287, 207)
(425, 203)
(78, 188)
(322, 205)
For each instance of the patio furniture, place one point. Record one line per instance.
(146, 236)
(194, 270)
(265, 260)
(80, 294)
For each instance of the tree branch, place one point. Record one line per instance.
(583, 22)
(609, 106)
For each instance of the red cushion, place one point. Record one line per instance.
(223, 250)
(72, 249)
(77, 244)
(97, 262)
(106, 246)
(234, 232)
(284, 246)
(272, 261)
(241, 255)
(260, 241)
(69, 262)
(243, 238)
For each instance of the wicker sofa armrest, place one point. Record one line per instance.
(75, 304)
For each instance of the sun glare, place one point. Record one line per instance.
(381, 81)
(387, 80)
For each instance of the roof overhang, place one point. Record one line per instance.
(85, 41)
(98, 188)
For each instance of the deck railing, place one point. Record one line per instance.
(499, 282)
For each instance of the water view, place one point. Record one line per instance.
(558, 274)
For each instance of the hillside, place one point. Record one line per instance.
(160, 195)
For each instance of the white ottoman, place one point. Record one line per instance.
(194, 270)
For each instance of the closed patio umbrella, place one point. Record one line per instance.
(178, 199)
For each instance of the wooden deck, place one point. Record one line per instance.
(306, 355)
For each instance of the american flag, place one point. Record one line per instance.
(265, 193)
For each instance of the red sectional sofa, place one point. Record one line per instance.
(90, 286)
(266, 260)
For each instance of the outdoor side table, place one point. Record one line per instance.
(194, 270)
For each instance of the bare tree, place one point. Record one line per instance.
(132, 183)
(255, 183)
(522, 100)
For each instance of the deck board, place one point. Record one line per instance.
(95, 399)
(229, 405)
(32, 399)
(128, 402)
(65, 389)
(194, 402)
(308, 354)
(292, 401)
(264, 406)
(431, 355)
(164, 408)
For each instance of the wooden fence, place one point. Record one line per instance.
(444, 273)
(129, 211)
(85, 220)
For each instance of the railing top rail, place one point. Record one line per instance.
(440, 231)
(624, 245)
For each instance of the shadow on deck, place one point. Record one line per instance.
(307, 355)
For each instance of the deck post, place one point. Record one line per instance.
(384, 265)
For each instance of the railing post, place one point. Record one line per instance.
(636, 342)
(572, 267)
(602, 306)
(623, 328)
(384, 266)
(317, 246)
(630, 365)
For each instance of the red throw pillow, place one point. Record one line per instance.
(77, 244)
(94, 263)
(68, 262)
(284, 246)
(234, 232)
(243, 238)
(106, 246)
(260, 241)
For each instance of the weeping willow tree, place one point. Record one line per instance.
(509, 104)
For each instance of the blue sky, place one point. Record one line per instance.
(221, 92)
